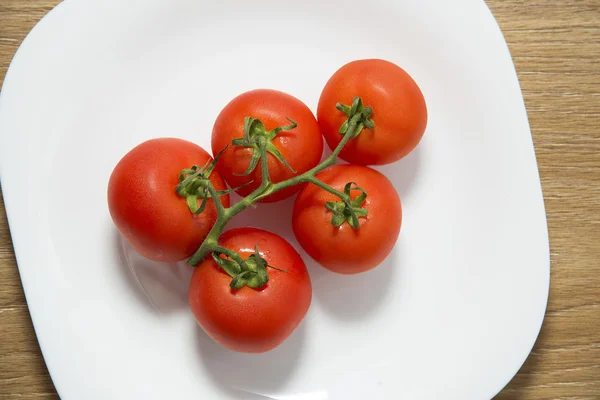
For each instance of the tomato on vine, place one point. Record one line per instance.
(241, 306)
(286, 127)
(399, 114)
(250, 288)
(146, 208)
(354, 237)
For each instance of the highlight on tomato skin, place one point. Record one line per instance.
(144, 206)
(252, 320)
(399, 111)
(343, 249)
(301, 147)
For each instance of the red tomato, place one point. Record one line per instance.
(301, 147)
(252, 320)
(399, 111)
(344, 249)
(145, 207)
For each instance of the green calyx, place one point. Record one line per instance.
(251, 272)
(195, 184)
(256, 137)
(348, 211)
(360, 113)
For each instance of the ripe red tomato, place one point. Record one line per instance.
(145, 207)
(301, 147)
(399, 111)
(252, 320)
(344, 249)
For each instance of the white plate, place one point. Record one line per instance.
(452, 313)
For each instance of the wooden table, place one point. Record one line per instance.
(556, 48)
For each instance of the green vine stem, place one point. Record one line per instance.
(252, 271)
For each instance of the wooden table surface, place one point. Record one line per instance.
(556, 49)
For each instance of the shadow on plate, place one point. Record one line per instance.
(161, 287)
(355, 297)
(403, 173)
(250, 376)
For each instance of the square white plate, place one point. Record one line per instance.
(451, 314)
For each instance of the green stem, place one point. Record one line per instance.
(344, 197)
(211, 240)
(309, 175)
(229, 253)
(217, 200)
(354, 125)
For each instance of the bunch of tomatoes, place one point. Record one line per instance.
(250, 289)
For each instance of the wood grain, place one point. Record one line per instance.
(556, 50)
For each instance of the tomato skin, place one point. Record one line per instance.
(301, 147)
(343, 249)
(252, 320)
(145, 207)
(399, 111)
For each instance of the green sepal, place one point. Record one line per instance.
(254, 130)
(258, 266)
(208, 170)
(337, 210)
(251, 272)
(193, 184)
(231, 267)
(357, 114)
(240, 280)
(350, 212)
(273, 132)
(235, 189)
(273, 150)
(253, 161)
(357, 202)
(259, 278)
(192, 202)
(203, 204)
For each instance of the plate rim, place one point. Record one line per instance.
(60, 7)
